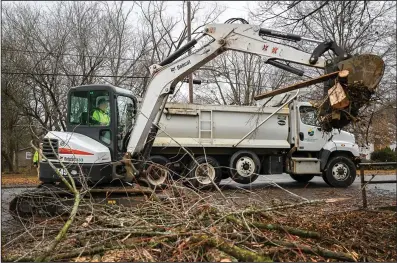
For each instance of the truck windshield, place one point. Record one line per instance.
(89, 108)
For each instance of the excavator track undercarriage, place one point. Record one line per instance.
(49, 200)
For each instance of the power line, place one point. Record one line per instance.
(141, 60)
(131, 77)
(114, 76)
(69, 54)
(139, 77)
(74, 75)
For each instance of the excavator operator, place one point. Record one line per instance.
(100, 115)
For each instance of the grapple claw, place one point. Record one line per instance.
(366, 69)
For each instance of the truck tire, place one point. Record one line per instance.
(340, 172)
(245, 167)
(225, 173)
(157, 171)
(302, 178)
(196, 177)
(325, 179)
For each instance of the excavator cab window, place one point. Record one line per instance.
(79, 108)
(125, 118)
(89, 108)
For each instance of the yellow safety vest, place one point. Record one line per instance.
(101, 117)
(36, 157)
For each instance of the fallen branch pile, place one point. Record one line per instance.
(186, 227)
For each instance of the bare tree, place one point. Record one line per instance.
(163, 29)
(236, 78)
(357, 26)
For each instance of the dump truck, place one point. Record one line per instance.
(249, 141)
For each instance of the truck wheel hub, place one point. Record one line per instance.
(156, 174)
(245, 166)
(205, 173)
(340, 171)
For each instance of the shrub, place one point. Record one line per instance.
(384, 155)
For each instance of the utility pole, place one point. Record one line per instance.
(189, 37)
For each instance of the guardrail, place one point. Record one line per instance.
(364, 183)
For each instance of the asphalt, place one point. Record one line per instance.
(316, 188)
(284, 180)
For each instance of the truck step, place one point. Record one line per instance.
(302, 165)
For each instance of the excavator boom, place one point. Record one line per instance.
(244, 38)
(238, 37)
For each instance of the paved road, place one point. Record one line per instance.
(317, 188)
(6, 196)
(284, 180)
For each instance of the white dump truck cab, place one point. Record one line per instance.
(333, 155)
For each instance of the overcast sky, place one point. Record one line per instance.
(232, 9)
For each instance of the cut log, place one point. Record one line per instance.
(343, 74)
(296, 86)
(314, 251)
(338, 97)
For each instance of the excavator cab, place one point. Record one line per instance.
(109, 126)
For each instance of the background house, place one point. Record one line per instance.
(25, 157)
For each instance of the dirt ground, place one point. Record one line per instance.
(341, 223)
(344, 228)
(25, 177)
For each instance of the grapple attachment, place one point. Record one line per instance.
(366, 69)
(356, 82)
(349, 85)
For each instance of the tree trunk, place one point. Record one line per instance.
(8, 161)
(290, 230)
(233, 250)
(313, 250)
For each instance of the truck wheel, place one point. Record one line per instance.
(203, 171)
(340, 171)
(245, 167)
(225, 173)
(302, 178)
(157, 171)
(325, 178)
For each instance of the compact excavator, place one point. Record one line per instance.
(106, 157)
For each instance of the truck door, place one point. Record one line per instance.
(310, 136)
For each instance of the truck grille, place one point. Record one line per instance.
(48, 151)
